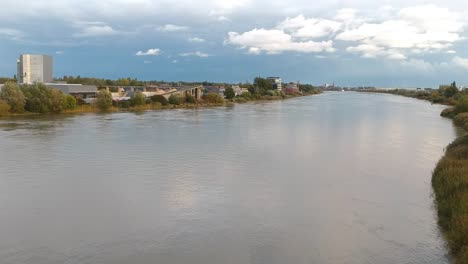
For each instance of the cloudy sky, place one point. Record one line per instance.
(355, 42)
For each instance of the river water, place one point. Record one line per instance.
(340, 177)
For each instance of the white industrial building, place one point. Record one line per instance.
(33, 68)
(276, 82)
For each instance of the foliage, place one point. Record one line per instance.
(159, 98)
(101, 82)
(190, 99)
(246, 95)
(103, 100)
(462, 104)
(4, 108)
(6, 79)
(80, 101)
(70, 102)
(138, 99)
(448, 91)
(262, 85)
(175, 99)
(450, 183)
(41, 99)
(213, 98)
(461, 120)
(229, 93)
(12, 94)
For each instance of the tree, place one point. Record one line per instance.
(214, 98)
(174, 99)
(229, 93)
(13, 95)
(159, 98)
(42, 99)
(262, 85)
(69, 102)
(104, 100)
(462, 104)
(452, 90)
(56, 100)
(189, 99)
(138, 99)
(4, 108)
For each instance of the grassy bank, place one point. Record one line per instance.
(150, 105)
(450, 177)
(450, 184)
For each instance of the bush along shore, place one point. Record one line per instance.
(450, 177)
(39, 99)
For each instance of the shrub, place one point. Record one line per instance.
(156, 105)
(103, 100)
(80, 101)
(462, 104)
(138, 99)
(450, 184)
(159, 99)
(13, 95)
(4, 108)
(41, 99)
(174, 99)
(214, 98)
(70, 102)
(56, 100)
(189, 99)
(246, 95)
(229, 93)
(461, 119)
(448, 112)
(122, 104)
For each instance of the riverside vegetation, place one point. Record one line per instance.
(450, 177)
(38, 98)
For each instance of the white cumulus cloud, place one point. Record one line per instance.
(417, 29)
(149, 52)
(309, 27)
(274, 41)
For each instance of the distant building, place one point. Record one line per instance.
(276, 82)
(77, 90)
(218, 89)
(238, 90)
(292, 88)
(33, 68)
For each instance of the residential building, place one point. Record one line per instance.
(33, 68)
(276, 82)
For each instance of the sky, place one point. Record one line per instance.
(395, 43)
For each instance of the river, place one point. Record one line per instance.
(340, 177)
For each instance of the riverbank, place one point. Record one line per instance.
(152, 106)
(450, 176)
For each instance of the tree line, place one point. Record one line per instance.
(35, 98)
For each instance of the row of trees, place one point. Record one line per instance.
(36, 98)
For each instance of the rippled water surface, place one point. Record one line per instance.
(335, 178)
